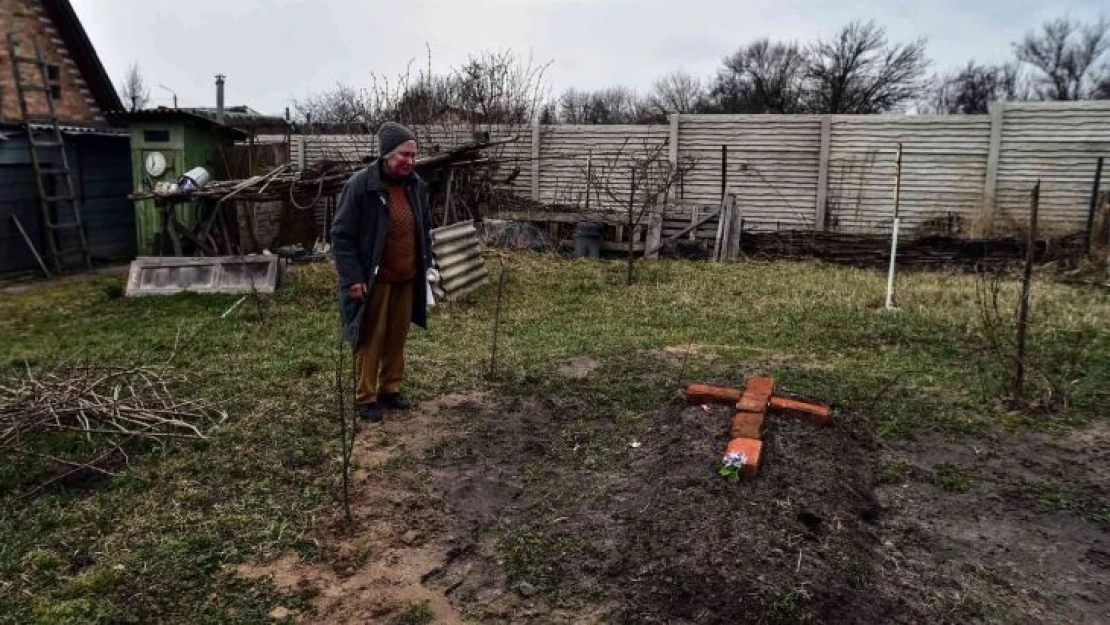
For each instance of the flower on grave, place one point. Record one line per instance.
(735, 459)
(732, 464)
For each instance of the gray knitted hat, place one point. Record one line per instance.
(391, 135)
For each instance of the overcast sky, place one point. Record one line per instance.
(273, 51)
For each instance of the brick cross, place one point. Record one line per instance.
(752, 404)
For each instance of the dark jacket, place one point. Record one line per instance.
(358, 239)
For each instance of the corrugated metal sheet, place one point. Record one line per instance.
(1059, 146)
(772, 165)
(104, 131)
(457, 254)
(944, 163)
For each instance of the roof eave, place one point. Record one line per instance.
(81, 49)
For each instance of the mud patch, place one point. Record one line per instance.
(1007, 527)
(375, 570)
(577, 368)
(627, 521)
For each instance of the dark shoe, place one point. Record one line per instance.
(371, 413)
(393, 401)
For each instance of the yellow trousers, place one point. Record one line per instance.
(380, 352)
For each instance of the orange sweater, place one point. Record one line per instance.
(399, 256)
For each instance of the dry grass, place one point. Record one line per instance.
(154, 543)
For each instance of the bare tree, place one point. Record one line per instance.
(574, 106)
(490, 88)
(500, 86)
(762, 77)
(1064, 56)
(133, 89)
(549, 113)
(613, 105)
(677, 92)
(344, 106)
(637, 179)
(493, 94)
(1102, 89)
(858, 71)
(971, 90)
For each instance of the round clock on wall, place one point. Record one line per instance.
(155, 164)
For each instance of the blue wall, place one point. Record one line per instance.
(100, 167)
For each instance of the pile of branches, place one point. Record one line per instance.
(324, 179)
(304, 188)
(111, 407)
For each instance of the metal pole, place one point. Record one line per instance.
(1026, 278)
(724, 171)
(1094, 204)
(589, 176)
(894, 233)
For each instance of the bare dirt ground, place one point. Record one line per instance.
(504, 509)
(375, 568)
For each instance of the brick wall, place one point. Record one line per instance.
(30, 23)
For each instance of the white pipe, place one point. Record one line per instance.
(894, 232)
(890, 274)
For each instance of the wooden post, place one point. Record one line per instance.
(722, 228)
(447, 216)
(1100, 228)
(1094, 204)
(820, 219)
(1026, 278)
(737, 227)
(497, 324)
(31, 246)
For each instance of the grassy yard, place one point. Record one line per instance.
(161, 542)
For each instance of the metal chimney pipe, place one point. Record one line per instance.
(220, 98)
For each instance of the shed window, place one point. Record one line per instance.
(156, 136)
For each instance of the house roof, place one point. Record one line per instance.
(81, 50)
(163, 114)
(244, 117)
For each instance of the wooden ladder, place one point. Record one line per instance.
(61, 212)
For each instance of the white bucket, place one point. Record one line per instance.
(195, 179)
